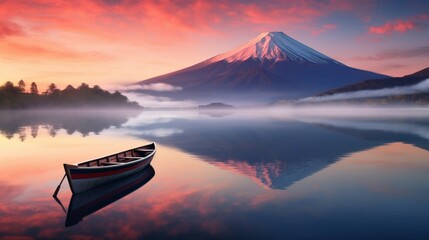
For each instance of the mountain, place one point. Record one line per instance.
(271, 66)
(409, 89)
(374, 84)
(215, 106)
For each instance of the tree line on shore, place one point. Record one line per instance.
(17, 97)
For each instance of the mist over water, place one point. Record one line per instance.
(157, 102)
(157, 87)
(351, 111)
(96, 121)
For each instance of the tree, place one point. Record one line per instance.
(52, 88)
(21, 86)
(34, 130)
(69, 88)
(14, 97)
(83, 86)
(8, 87)
(33, 88)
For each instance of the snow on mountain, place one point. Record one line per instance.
(275, 46)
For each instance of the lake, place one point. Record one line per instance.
(230, 175)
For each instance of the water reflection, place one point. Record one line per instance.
(217, 113)
(335, 173)
(276, 152)
(84, 204)
(24, 123)
(408, 130)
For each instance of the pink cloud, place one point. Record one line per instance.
(9, 29)
(324, 28)
(396, 26)
(154, 21)
(399, 25)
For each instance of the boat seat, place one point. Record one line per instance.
(143, 150)
(110, 163)
(129, 157)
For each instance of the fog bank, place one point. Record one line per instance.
(417, 88)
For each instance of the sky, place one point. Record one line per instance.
(115, 42)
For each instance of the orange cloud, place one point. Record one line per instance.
(47, 51)
(399, 25)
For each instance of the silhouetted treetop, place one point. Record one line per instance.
(8, 87)
(52, 89)
(21, 86)
(34, 89)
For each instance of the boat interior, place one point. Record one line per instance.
(120, 158)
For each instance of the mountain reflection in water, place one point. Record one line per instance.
(276, 152)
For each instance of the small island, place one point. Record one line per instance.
(84, 96)
(216, 106)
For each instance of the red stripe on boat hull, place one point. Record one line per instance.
(107, 173)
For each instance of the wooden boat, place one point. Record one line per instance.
(86, 203)
(90, 174)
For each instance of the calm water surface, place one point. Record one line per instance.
(231, 175)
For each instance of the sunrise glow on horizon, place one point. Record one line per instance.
(114, 42)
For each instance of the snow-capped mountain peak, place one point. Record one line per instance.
(273, 46)
(271, 66)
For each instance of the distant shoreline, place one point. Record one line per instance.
(83, 97)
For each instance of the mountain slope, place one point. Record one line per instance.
(269, 67)
(374, 84)
(410, 89)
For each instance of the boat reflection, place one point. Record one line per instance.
(86, 203)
